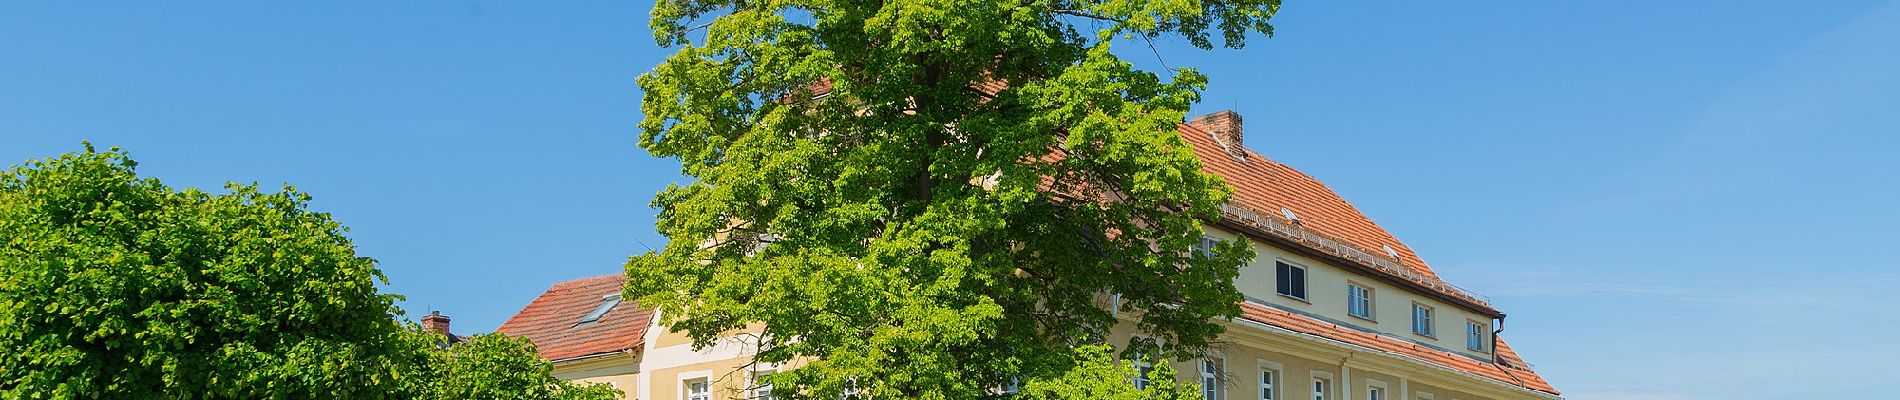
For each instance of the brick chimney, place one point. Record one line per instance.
(436, 322)
(1224, 125)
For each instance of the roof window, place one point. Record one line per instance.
(607, 303)
(1289, 215)
(1391, 252)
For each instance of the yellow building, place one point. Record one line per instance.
(1336, 309)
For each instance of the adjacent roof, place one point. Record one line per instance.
(552, 321)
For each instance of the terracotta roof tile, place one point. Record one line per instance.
(1266, 186)
(1263, 184)
(1515, 373)
(552, 321)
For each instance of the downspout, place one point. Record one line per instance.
(1495, 358)
(1498, 358)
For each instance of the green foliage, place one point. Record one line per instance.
(931, 196)
(116, 286)
(498, 367)
(1099, 375)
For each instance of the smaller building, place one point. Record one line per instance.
(582, 327)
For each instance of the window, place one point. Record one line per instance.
(1375, 393)
(1142, 368)
(698, 389)
(1210, 379)
(761, 390)
(1358, 301)
(850, 391)
(1319, 389)
(1422, 320)
(1204, 248)
(1267, 379)
(1291, 280)
(607, 303)
(1474, 336)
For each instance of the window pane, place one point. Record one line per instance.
(1298, 283)
(1283, 278)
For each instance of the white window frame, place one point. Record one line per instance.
(758, 391)
(1377, 390)
(1321, 385)
(850, 390)
(1144, 359)
(1143, 366)
(1211, 387)
(1013, 386)
(1475, 336)
(1427, 325)
(1270, 379)
(1301, 290)
(1205, 246)
(1361, 298)
(705, 388)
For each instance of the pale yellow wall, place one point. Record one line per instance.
(729, 377)
(621, 371)
(1326, 296)
(1246, 348)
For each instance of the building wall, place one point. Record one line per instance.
(1326, 297)
(622, 371)
(668, 360)
(1247, 349)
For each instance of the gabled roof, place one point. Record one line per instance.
(552, 321)
(1263, 186)
(1326, 223)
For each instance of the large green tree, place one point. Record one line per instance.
(117, 286)
(930, 197)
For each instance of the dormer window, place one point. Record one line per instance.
(1359, 301)
(1290, 280)
(607, 303)
(1474, 336)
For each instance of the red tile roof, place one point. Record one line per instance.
(1513, 372)
(552, 321)
(1266, 185)
(1263, 186)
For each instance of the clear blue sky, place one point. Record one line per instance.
(1673, 200)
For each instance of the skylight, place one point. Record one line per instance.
(1391, 252)
(1289, 214)
(607, 303)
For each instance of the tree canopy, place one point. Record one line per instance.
(931, 197)
(117, 286)
(113, 285)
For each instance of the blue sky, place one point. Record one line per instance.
(1684, 200)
